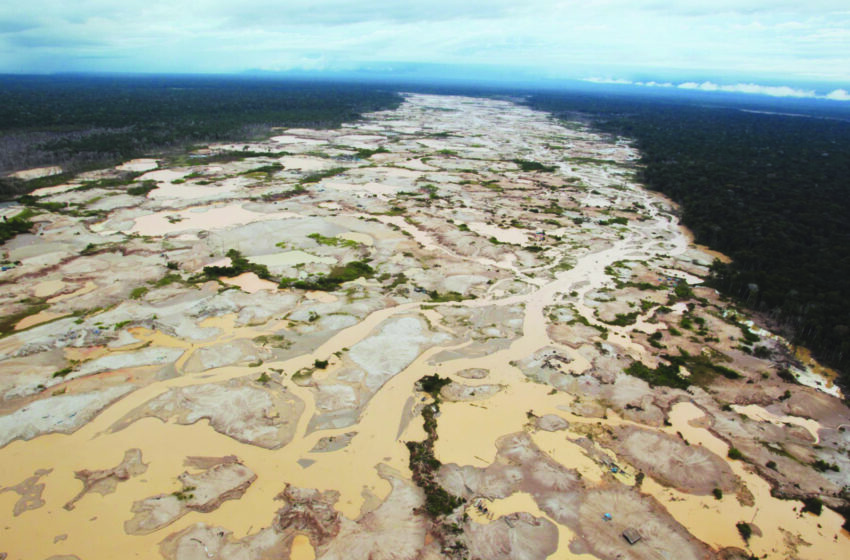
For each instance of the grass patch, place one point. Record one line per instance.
(332, 241)
(137, 293)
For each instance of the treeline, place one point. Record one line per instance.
(770, 191)
(81, 122)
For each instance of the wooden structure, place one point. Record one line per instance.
(631, 535)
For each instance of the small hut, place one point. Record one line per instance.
(631, 535)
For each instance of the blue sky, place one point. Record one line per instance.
(725, 42)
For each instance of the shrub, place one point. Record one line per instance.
(813, 505)
(432, 384)
(337, 276)
(238, 265)
(142, 188)
(136, 293)
(823, 466)
(745, 530)
(526, 165)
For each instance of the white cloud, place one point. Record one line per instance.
(608, 81)
(838, 95)
(773, 91)
(756, 89)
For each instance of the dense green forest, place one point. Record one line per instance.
(82, 122)
(771, 191)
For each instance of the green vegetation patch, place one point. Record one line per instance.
(269, 169)
(822, 466)
(332, 281)
(447, 296)
(138, 293)
(332, 241)
(365, 153)
(527, 166)
(666, 375)
(623, 319)
(424, 465)
(745, 530)
(319, 175)
(62, 372)
(238, 265)
(273, 340)
(143, 188)
(702, 370)
(618, 221)
(185, 494)
(18, 223)
(8, 322)
(735, 454)
(813, 504)
(432, 384)
(38, 202)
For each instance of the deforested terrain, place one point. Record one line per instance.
(458, 328)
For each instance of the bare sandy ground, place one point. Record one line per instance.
(513, 284)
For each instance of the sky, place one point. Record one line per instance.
(666, 43)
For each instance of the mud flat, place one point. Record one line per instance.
(594, 387)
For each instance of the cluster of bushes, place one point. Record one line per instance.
(238, 265)
(701, 369)
(332, 280)
(528, 166)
